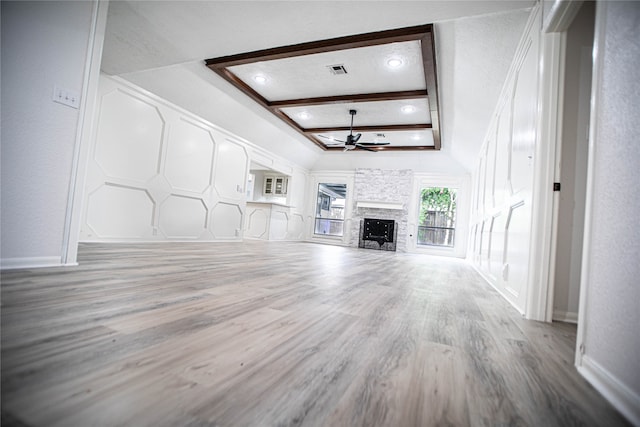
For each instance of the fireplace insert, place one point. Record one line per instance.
(378, 230)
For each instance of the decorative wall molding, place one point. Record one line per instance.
(504, 178)
(157, 172)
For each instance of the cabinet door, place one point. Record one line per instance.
(268, 185)
(279, 185)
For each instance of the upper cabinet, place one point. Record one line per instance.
(275, 185)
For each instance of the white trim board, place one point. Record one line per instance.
(33, 262)
(618, 394)
(565, 316)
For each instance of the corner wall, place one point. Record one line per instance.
(608, 338)
(44, 44)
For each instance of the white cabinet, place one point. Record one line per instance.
(275, 185)
(267, 221)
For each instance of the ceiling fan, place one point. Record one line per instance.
(352, 140)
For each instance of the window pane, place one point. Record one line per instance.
(330, 227)
(437, 216)
(330, 209)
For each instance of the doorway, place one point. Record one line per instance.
(571, 164)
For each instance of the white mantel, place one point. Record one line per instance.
(379, 205)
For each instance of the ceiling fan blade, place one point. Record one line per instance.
(332, 139)
(356, 137)
(373, 144)
(360, 147)
(336, 144)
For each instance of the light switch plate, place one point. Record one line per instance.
(67, 97)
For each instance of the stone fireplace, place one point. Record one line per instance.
(382, 195)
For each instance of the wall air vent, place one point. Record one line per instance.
(337, 69)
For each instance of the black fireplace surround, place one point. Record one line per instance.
(380, 231)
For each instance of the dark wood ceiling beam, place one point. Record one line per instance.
(392, 148)
(417, 126)
(422, 33)
(343, 99)
(427, 44)
(322, 46)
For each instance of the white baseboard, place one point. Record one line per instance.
(32, 262)
(565, 316)
(617, 393)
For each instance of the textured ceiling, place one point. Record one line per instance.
(160, 46)
(381, 79)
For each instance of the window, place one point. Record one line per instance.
(437, 220)
(330, 209)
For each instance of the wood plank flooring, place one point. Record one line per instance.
(279, 334)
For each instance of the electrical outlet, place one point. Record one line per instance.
(66, 97)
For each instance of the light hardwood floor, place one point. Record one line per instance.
(279, 334)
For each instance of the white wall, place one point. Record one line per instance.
(609, 316)
(44, 44)
(418, 161)
(503, 179)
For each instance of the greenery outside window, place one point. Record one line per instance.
(437, 220)
(330, 209)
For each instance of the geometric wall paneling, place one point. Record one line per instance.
(490, 174)
(480, 245)
(474, 240)
(278, 224)
(129, 138)
(115, 211)
(524, 122)
(295, 229)
(503, 150)
(504, 178)
(182, 217)
(496, 246)
(486, 240)
(257, 223)
(476, 203)
(156, 172)
(189, 158)
(230, 174)
(481, 183)
(226, 221)
(516, 245)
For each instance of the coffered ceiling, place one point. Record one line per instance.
(385, 81)
(161, 46)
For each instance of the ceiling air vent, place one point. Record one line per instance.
(337, 69)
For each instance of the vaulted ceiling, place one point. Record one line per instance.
(161, 46)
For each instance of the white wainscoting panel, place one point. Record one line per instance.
(189, 159)
(501, 217)
(157, 172)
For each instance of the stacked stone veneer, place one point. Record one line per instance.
(378, 185)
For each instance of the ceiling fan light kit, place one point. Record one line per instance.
(388, 78)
